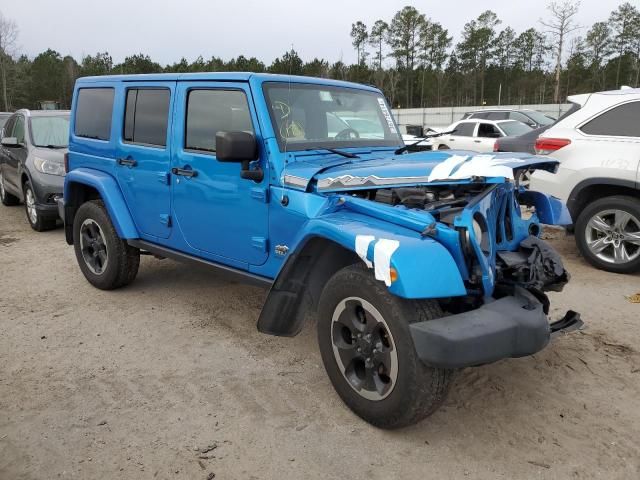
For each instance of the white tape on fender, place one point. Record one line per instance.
(362, 246)
(382, 252)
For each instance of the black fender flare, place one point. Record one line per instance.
(297, 288)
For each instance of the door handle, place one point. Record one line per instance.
(127, 162)
(452, 139)
(477, 141)
(185, 172)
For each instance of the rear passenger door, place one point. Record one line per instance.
(218, 212)
(462, 137)
(144, 155)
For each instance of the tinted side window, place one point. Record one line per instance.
(497, 116)
(488, 131)
(146, 116)
(18, 129)
(621, 121)
(465, 129)
(520, 117)
(479, 115)
(212, 111)
(93, 113)
(8, 127)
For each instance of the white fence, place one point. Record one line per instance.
(445, 116)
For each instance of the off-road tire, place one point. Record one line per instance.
(123, 260)
(6, 198)
(615, 202)
(419, 389)
(40, 223)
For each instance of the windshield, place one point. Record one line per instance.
(513, 128)
(50, 131)
(540, 118)
(309, 116)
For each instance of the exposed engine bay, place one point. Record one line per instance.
(441, 201)
(533, 264)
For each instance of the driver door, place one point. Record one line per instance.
(219, 213)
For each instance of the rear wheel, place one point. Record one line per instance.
(607, 234)
(5, 197)
(368, 352)
(106, 260)
(37, 220)
(443, 147)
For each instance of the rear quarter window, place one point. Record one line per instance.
(93, 113)
(146, 116)
(620, 121)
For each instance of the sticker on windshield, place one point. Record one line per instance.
(387, 114)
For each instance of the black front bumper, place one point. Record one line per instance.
(513, 326)
(48, 190)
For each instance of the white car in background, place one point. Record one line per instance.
(478, 135)
(598, 147)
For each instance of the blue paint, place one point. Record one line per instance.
(220, 217)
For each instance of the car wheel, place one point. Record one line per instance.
(607, 233)
(443, 147)
(5, 197)
(368, 352)
(37, 221)
(106, 260)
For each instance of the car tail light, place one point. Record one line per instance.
(545, 146)
(496, 146)
(66, 162)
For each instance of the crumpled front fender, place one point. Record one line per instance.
(550, 210)
(424, 268)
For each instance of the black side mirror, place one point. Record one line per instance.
(239, 147)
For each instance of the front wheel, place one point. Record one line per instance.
(368, 352)
(106, 260)
(607, 233)
(38, 221)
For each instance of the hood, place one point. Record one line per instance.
(411, 169)
(51, 154)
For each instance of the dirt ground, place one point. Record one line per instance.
(169, 378)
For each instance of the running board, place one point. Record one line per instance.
(233, 273)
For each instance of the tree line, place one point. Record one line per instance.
(411, 57)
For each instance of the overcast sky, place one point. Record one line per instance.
(170, 29)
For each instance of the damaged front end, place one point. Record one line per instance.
(505, 266)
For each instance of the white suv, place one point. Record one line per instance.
(478, 135)
(598, 147)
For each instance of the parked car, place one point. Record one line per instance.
(532, 118)
(519, 143)
(34, 143)
(527, 142)
(412, 264)
(598, 147)
(478, 135)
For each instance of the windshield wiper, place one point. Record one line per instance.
(426, 137)
(333, 150)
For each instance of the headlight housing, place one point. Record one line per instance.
(48, 166)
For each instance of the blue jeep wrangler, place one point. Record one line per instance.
(414, 264)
